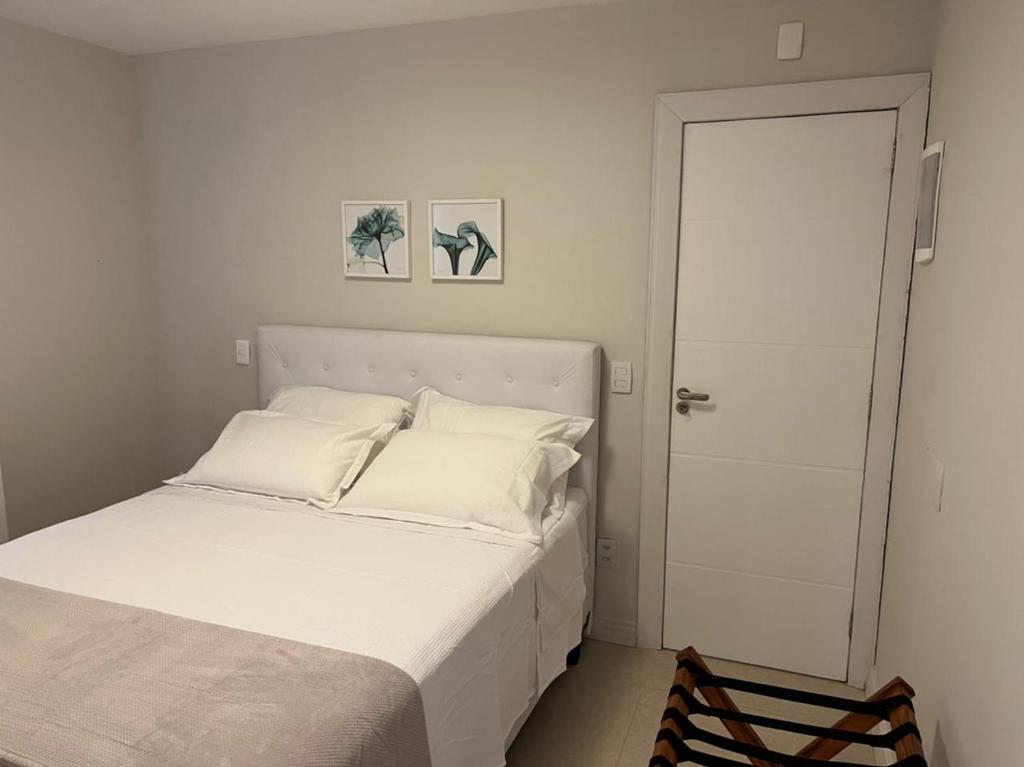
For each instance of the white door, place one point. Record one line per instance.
(780, 260)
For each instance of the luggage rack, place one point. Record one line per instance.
(891, 704)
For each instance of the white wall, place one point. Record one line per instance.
(250, 149)
(952, 618)
(77, 370)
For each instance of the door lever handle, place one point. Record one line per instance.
(685, 397)
(693, 396)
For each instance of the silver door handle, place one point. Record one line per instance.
(693, 396)
(685, 397)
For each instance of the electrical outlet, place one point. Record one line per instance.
(606, 549)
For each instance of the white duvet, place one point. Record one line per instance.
(481, 623)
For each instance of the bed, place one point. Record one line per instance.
(480, 624)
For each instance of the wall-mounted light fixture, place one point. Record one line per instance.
(928, 202)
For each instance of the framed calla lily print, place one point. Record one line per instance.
(376, 239)
(466, 240)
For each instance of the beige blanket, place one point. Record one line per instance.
(86, 683)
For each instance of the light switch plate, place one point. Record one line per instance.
(938, 484)
(791, 41)
(242, 356)
(4, 536)
(622, 377)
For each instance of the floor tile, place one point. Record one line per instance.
(639, 743)
(606, 712)
(582, 719)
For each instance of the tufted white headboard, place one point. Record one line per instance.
(564, 376)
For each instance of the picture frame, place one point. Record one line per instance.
(376, 239)
(466, 240)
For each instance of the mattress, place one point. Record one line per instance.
(481, 623)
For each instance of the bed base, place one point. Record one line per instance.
(891, 704)
(574, 655)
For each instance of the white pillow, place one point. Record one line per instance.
(438, 412)
(556, 501)
(474, 481)
(322, 403)
(286, 457)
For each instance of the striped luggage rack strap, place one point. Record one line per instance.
(893, 704)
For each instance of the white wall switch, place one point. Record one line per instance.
(791, 41)
(241, 352)
(606, 548)
(938, 484)
(622, 377)
(4, 534)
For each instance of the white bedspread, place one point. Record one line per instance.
(480, 622)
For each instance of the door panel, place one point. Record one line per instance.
(766, 518)
(722, 610)
(740, 258)
(820, 166)
(782, 236)
(788, 404)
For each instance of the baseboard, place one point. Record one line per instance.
(614, 631)
(871, 685)
(883, 757)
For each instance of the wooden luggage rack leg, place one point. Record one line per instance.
(891, 704)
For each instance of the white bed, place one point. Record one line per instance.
(481, 623)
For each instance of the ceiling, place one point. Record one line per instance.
(151, 26)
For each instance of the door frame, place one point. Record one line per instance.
(908, 94)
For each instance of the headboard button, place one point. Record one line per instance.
(370, 369)
(458, 376)
(326, 367)
(284, 364)
(412, 374)
(509, 379)
(557, 384)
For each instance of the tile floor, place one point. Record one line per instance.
(606, 711)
